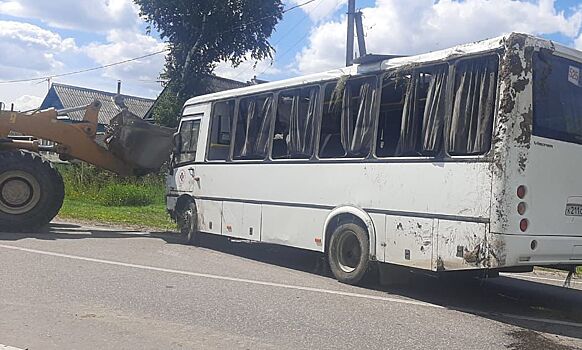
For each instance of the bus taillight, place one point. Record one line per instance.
(521, 192)
(523, 224)
(521, 208)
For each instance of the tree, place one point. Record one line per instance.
(201, 33)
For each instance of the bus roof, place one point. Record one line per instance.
(441, 55)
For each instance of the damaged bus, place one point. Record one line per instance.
(462, 159)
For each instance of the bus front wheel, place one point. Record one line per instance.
(349, 253)
(188, 223)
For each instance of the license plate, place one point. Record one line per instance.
(573, 209)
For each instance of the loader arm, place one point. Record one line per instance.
(73, 141)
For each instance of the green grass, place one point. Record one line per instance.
(149, 217)
(93, 195)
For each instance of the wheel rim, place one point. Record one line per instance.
(349, 252)
(188, 222)
(19, 192)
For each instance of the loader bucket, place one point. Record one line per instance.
(143, 145)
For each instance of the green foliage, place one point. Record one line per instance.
(125, 195)
(579, 270)
(89, 184)
(168, 108)
(98, 196)
(202, 33)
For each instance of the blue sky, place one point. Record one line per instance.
(52, 37)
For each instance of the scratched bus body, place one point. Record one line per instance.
(463, 159)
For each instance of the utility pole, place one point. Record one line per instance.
(350, 39)
(354, 20)
(360, 31)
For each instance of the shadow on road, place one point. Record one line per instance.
(65, 231)
(534, 306)
(508, 300)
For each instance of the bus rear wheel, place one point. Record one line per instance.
(31, 191)
(188, 223)
(349, 253)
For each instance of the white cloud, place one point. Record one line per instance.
(94, 15)
(36, 51)
(27, 103)
(122, 45)
(415, 26)
(30, 50)
(320, 9)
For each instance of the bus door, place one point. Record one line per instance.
(185, 147)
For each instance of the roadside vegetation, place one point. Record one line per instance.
(98, 196)
(579, 270)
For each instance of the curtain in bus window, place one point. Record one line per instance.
(251, 117)
(263, 137)
(301, 127)
(473, 107)
(255, 117)
(411, 126)
(434, 112)
(357, 129)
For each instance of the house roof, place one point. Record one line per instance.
(62, 96)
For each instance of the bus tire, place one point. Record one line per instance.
(349, 253)
(188, 223)
(31, 191)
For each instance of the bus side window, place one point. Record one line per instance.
(222, 115)
(390, 118)
(412, 113)
(253, 128)
(475, 94)
(347, 126)
(294, 126)
(189, 131)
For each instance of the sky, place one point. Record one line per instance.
(43, 38)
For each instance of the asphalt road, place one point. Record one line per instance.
(77, 287)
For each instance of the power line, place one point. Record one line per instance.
(83, 70)
(44, 78)
(305, 16)
(298, 6)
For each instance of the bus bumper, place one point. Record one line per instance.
(524, 250)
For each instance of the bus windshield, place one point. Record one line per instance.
(557, 99)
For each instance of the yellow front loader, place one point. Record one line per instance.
(32, 190)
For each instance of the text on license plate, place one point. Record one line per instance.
(573, 209)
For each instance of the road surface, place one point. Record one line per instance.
(82, 287)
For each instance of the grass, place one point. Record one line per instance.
(97, 196)
(151, 216)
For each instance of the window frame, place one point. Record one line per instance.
(316, 123)
(190, 118)
(375, 107)
(444, 156)
(371, 157)
(273, 94)
(450, 95)
(560, 55)
(209, 132)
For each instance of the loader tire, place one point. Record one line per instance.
(31, 191)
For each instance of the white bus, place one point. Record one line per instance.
(468, 158)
